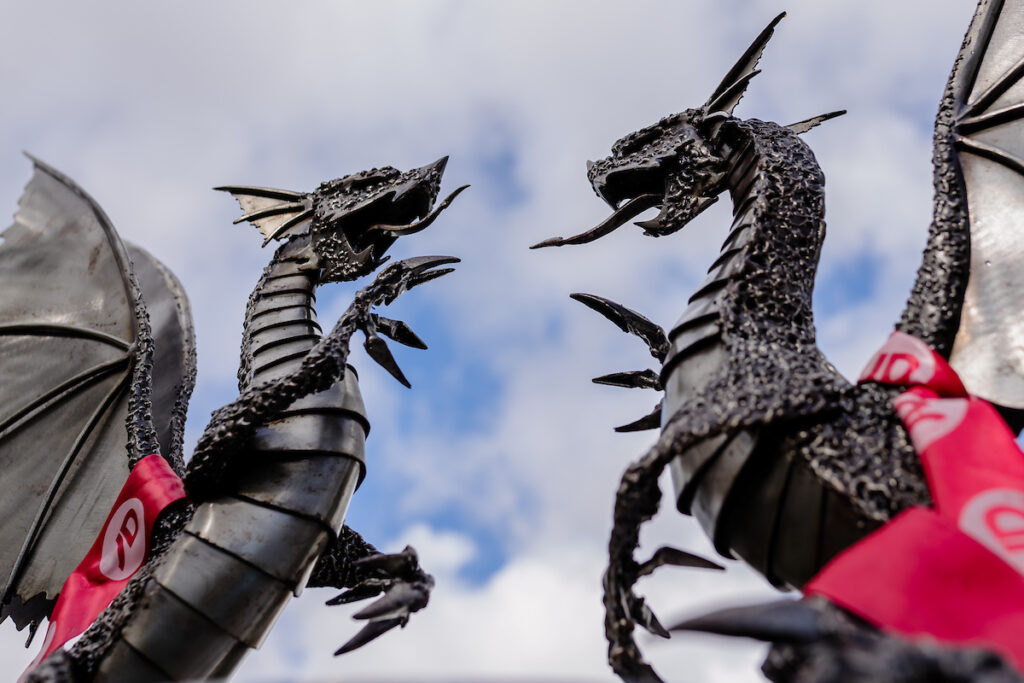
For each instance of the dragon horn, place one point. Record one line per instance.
(729, 92)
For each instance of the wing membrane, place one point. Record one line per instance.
(988, 350)
(70, 338)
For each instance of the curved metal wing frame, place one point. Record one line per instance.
(988, 351)
(966, 300)
(75, 387)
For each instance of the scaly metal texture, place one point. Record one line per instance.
(782, 461)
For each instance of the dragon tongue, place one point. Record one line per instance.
(631, 209)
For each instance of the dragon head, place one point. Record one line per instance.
(350, 222)
(677, 164)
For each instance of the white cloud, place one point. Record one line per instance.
(148, 107)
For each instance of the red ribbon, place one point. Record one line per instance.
(955, 571)
(121, 547)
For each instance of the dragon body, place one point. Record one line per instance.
(784, 462)
(274, 472)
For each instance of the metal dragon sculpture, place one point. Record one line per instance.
(97, 365)
(783, 461)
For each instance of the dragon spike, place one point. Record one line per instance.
(782, 621)
(676, 558)
(378, 350)
(729, 92)
(801, 127)
(651, 420)
(273, 211)
(371, 631)
(634, 379)
(629, 321)
(398, 331)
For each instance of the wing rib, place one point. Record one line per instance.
(56, 330)
(51, 493)
(72, 386)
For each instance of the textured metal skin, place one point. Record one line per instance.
(215, 581)
(782, 461)
(242, 558)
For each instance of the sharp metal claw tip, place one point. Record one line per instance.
(551, 242)
(371, 631)
(783, 621)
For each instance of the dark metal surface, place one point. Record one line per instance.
(783, 462)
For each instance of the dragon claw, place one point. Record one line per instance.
(405, 586)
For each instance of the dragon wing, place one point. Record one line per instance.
(966, 302)
(75, 384)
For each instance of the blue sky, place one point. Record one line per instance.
(500, 463)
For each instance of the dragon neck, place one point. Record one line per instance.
(759, 289)
(280, 320)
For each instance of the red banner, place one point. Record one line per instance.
(119, 550)
(954, 571)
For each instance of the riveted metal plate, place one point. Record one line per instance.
(124, 663)
(273, 336)
(688, 374)
(280, 544)
(267, 357)
(795, 555)
(688, 467)
(289, 283)
(284, 316)
(240, 599)
(314, 433)
(718, 484)
(318, 486)
(175, 637)
(283, 300)
(344, 396)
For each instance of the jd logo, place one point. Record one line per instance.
(903, 360)
(124, 543)
(929, 419)
(995, 518)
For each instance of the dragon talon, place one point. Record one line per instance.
(651, 420)
(677, 558)
(634, 379)
(370, 632)
(359, 592)
(782, 621)
(377, 349)
(628, 320)
(398, 331)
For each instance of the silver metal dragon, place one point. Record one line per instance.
(782, 461)
(96, 368)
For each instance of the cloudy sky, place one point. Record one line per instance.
(500, 464)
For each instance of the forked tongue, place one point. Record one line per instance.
(627, 212)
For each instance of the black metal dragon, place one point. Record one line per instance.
(97, 365)
(782, 460)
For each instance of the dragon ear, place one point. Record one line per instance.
(729, 92)
(274, 212)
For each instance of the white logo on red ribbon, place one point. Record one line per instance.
(929, 419)
(902, 360)
(124, 543)
(995, 518)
